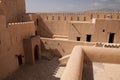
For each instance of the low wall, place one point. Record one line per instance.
(74, 68)
(62, 47)
(100, 54)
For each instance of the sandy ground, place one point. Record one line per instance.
(42, 70)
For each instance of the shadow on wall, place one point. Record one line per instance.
(76, 29)
(54, 52)
(87, 71)
(23, 18)
(43, 29)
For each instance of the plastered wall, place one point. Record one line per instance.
(99, 31)
(62, 47)
(29, 49)
(13, 9)
(104, 28)
(81, 16)
(80, 29)
(54, 28)
(50, 28)
(73, 25)
(11, 37)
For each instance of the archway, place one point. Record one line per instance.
(36, 52)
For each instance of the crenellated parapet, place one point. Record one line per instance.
(83, 16)
(107, 45)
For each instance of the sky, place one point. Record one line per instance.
(70, 5)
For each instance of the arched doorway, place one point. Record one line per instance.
(36, 52)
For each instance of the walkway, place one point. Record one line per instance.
(42, 70)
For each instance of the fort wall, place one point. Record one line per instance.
(104, 28)
(87, 23)
(62, 47)
(99, 31)
(85, 16)
(80, 29)
(50, 28)
(13, 9)
(12, 44)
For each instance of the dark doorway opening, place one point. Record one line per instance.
(20, 60)
(37, 22)
(111, 37)
(84, 18)
(36, 52)
(88, 38)
(36, 33)
(78, 38)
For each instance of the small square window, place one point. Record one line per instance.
(78, 38)
(103, 30)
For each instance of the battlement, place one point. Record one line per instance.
(83, 16)
(74, 13)
(107, 45)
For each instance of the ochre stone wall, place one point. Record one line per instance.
(99, 31)
(104, 28)
(11, 37)
(50, 28)
(62, 47)
(80, 29)
(80, 55)
(73, 25)
(12, 9)
(85, 16)
(97, 24)
(30, 49)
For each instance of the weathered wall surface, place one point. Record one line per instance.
(104, 55)
(65, 24)
(85, 16)
(80, 29)
(11, 37)
(62, 47)
(13, 9)
(92, 55)
(99, 31)
(104, 28)
(49, 28)
(95, 54)
(31, 53)
(53, 28)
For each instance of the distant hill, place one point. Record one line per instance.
(107, 9)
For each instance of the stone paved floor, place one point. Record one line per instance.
(42, 70)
